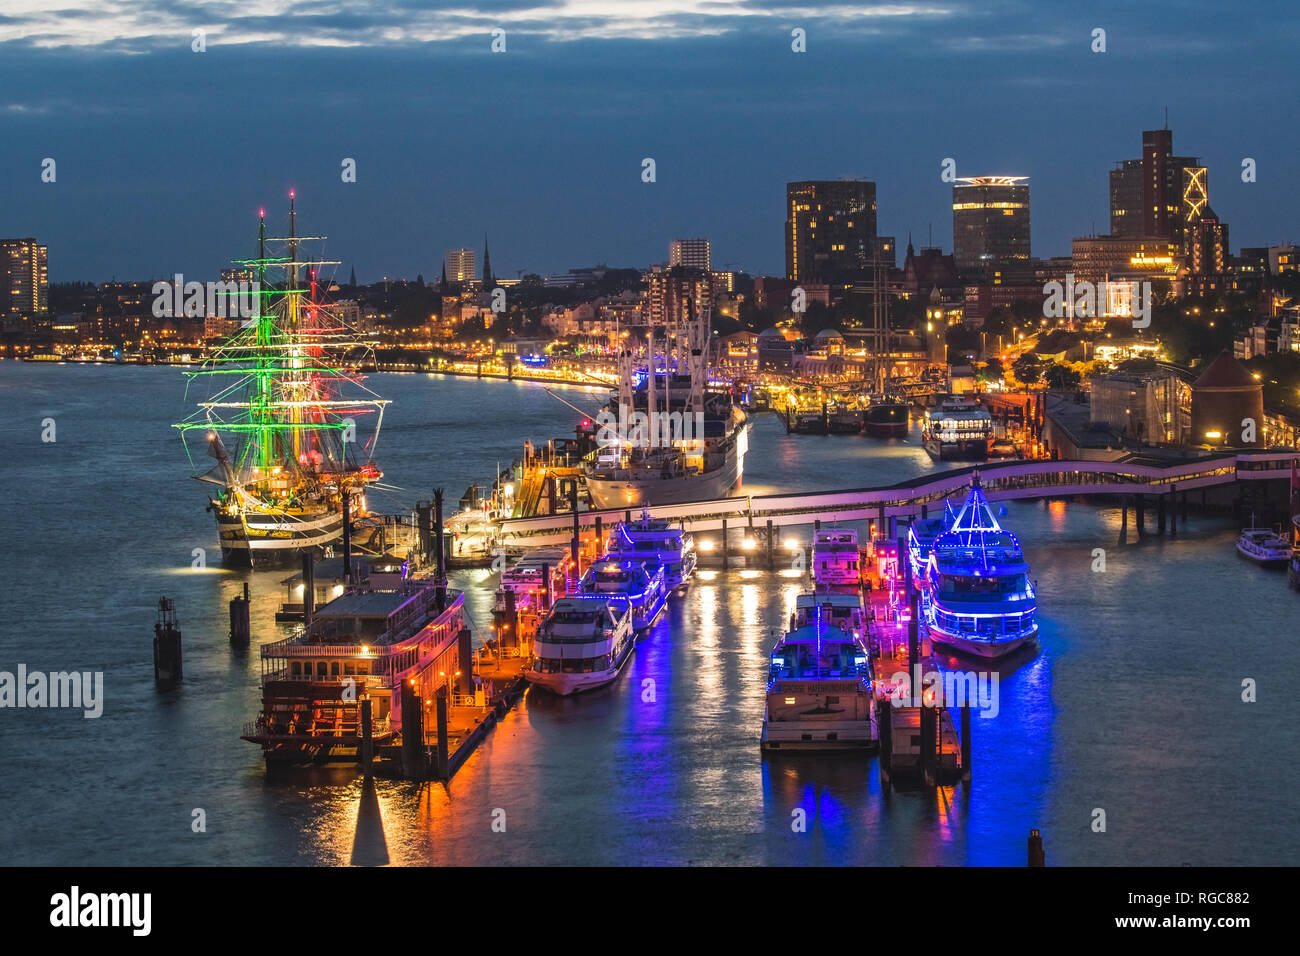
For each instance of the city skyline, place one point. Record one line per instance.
(153, 178)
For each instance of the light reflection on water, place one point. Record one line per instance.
(1131, 703)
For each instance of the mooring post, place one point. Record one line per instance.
(965, 741)
(239, 627)
(367, 737)
(440, 707)
(928, 722)
(1037, 857)
(885, 732)
(167, 669)
(465, 661)
(412, 733)
(511, 626)
(573, 545)
(925, 511)
(600, 535)
(308, 587)
(771, 561)
(1123, 519)
(440, 547)
(1160, 513)
(1173, 510)
(1184, 508)
(1140, 512)
(893, 529)
(726, 561)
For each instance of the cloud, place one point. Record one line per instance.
(139, 25)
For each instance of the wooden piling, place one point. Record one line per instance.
(1037, 857)
(600, 535)
(771, 560)
(308, 587)
(546, 587)
(929, 735)
(413, 762)
(885, 731)
(1160, 513)
(167, 669)
(367, 737)
(573, 544)
(965, 741)
(726, 558)
(1140, 513)
(1123, 519)
(239, 626)
(1173, 510)
(440, 707)
(465, 661)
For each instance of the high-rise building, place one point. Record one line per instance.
(830, 231)
(670, 290)
(692, 253)
(990, 221)
(460, 266)
(1156, 195)
(24, 270)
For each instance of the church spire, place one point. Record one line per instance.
(487, 264)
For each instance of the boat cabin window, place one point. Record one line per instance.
(296, 668)
(320, 669)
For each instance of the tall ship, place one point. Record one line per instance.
(286, 416)
(958, 429)
(670, 438)
(887, 417)
(976, 595)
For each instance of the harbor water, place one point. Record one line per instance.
(1132, 704)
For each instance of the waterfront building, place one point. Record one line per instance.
(1224, 397)
(990, 221)
(830, 231)
(692, 253)
(1140, 406)
(24, 270)
(669, 291)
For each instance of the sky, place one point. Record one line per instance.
(164, 155)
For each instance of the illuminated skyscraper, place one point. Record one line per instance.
(1156, 195)
(25, 274)
(460, 266)
(692, 253)
(830, 231)
(990, 221)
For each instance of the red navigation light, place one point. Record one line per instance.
(586, 423)
(290, 193)
(261, 213)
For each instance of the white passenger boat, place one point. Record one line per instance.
(836, 561)
(657, 541)
(1264, 546)
(627, 584)
(582, 644)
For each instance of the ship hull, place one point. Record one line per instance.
(652, 490)
(983, 650)
(971, 450)
(887, 421)
(817, 736)
(261, 541)
(566, 685)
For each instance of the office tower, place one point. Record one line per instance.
(25, 274)
(830, 231)
(692, 253)
(990, 221)
(460, 266)
(1156, 195)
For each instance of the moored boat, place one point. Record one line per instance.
(656, 540)
(836, 561)
(958, 429)
(1265, 546)
(819, 692)
(581, 645)
(627, 584)
(887, 418)
(977, 598)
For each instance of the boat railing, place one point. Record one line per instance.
(820, 672)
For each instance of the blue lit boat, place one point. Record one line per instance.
(819, 691)
(977, 598)
(654, 540)
(627, 584)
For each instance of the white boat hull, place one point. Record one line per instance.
(985, 650)
(651, 489)
(817, 735)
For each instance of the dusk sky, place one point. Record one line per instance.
(164, 155)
